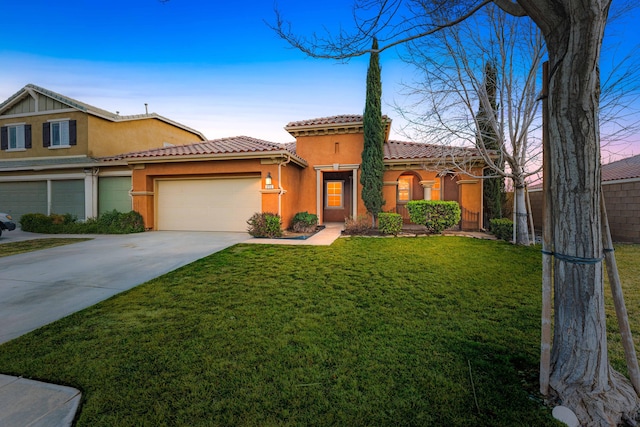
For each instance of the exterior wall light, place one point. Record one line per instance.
(268, 183)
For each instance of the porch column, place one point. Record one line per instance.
(427, 186)
(354, 194)
(90, 193)
(319, 191)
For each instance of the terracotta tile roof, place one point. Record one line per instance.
(400, 150)
(233, 145)
(332, 120)
(622, 169)
(628, 168)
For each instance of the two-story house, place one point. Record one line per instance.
(50, 146)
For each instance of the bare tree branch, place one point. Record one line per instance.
(512, 8)
(346, 46)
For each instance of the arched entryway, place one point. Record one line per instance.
(409, 188)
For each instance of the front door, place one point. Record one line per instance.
(337, 197)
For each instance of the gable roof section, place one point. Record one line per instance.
(344, 123)
(622, 169)
(237, 147)
(32, 90)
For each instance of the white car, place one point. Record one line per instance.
(6, 223)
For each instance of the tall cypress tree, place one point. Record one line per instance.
(373, 152)
(493, 188)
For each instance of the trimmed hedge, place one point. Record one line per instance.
(113, 222)
(435, 215)
(304, 222)
(265, 224)
(502, 228)
(389, 223)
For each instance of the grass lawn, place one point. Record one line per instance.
(367, 332)
(14, 248)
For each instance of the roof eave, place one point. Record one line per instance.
(218, 156)
(38, 168)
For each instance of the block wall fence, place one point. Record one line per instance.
(622, 199)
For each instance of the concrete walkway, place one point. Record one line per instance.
(325, 237)
(27, 403)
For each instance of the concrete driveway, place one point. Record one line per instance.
(37, 288)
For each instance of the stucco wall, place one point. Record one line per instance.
(329, 153)
(37, 149)
(108, 138)
(144, 177)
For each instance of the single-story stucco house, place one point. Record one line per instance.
(219, 184)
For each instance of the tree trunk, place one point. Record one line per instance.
(522, 228)
(581, 376)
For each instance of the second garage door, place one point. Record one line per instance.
(207, 204)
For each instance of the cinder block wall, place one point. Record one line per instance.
(623, 209)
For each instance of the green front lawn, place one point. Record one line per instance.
(367, 332)
(14, 248)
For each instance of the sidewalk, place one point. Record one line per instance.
(27, 403)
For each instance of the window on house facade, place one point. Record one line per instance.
(335, 194)
(404, 188)
(16, 137)
(61, 133)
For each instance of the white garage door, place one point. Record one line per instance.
(207, 204)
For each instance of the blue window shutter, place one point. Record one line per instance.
(27, 136)
(4, 138)
(46, 134)
(73, 134)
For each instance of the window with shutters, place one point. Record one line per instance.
(59, 134)
(16, 137)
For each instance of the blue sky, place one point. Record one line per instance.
(212, 65)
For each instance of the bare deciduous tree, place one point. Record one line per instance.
(573, 30)
(452, 87)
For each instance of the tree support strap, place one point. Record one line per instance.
(576, 259)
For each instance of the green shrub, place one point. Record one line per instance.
(435, 215)
(36, 222)
(304, 222)
(502, 228)
(389, 223)
(113, 222)
(120, 223)
(265, 224)
(357, 226)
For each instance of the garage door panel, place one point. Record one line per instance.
(113, 194)
(19, 198)
(207, 205)
(67, 197)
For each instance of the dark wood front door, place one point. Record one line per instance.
(337, 196)
(450, 187)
